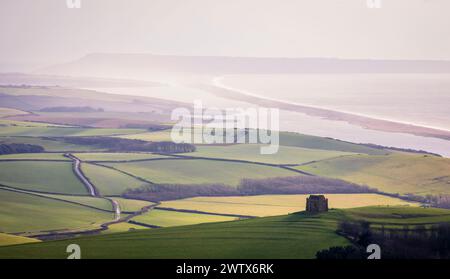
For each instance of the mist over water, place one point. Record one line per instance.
(299, 122)
(419, 99)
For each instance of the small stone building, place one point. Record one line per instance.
(316, 204)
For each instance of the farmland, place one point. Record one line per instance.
(198, 171)
(272, 205)
(395, 173)
(297, 235)
(50, 145)
(129, 205)
(54, 177)
(109, 182)
(50, 131)
(203, 200)
(34, 156)
(27, 214)
(99, 157)
(9, 239)
(165, 218)
(251, 152)
(292, 236)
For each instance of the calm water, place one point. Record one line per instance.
(433, 108)
(420, 99)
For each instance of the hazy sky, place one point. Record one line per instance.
(37, 33)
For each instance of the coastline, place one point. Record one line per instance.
(364, 121)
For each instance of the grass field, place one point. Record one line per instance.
(297, 235)
(47, 131)
(251, 152)
(29, 124)
(150, 136)
(9, 239)
(395, 173)
(98, 156)
(26, 213)
(100, 203)
(165, 218)
(313, 142)
(292, 236)
(198, 171)
(109, 182)
(131, 205)
(48, 144)
(54, 177)
(122, 227)
(272, 205)
(33, 156)
(399, 216)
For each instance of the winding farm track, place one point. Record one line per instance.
(77, 170)
(90, 187)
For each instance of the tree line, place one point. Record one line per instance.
(278, 185)
(409, 242)
(127, 145)
(13, 148)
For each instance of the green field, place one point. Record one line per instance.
(150, 136)
(198, 171)
(272, 205)
(109, 182)
(99, 157)
(252, 152)
(53, 177)
(9, 239)
(26, 213)
(399, 216)
(7, 123)
(47, 131)
(122, 227)
(297, 235)
(313, 142)
(97, 202)
(33, 156)
(130, 205)
(292, 236)
(48, 144)
(165, 218)
(395, 173)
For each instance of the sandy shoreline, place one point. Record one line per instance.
(367, 122)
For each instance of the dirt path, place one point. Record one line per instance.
(90, 187)
(79, 173)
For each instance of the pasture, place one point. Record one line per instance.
(394, 173)
(9, 239)
(99, 157)
(272, 205)
(194, 171)
(165, 218)
(129, 205)
(34, 156)
(252, 152)
(52, 177)
(49, 144)
(24, 213)
(108, 181)
(294, 236)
